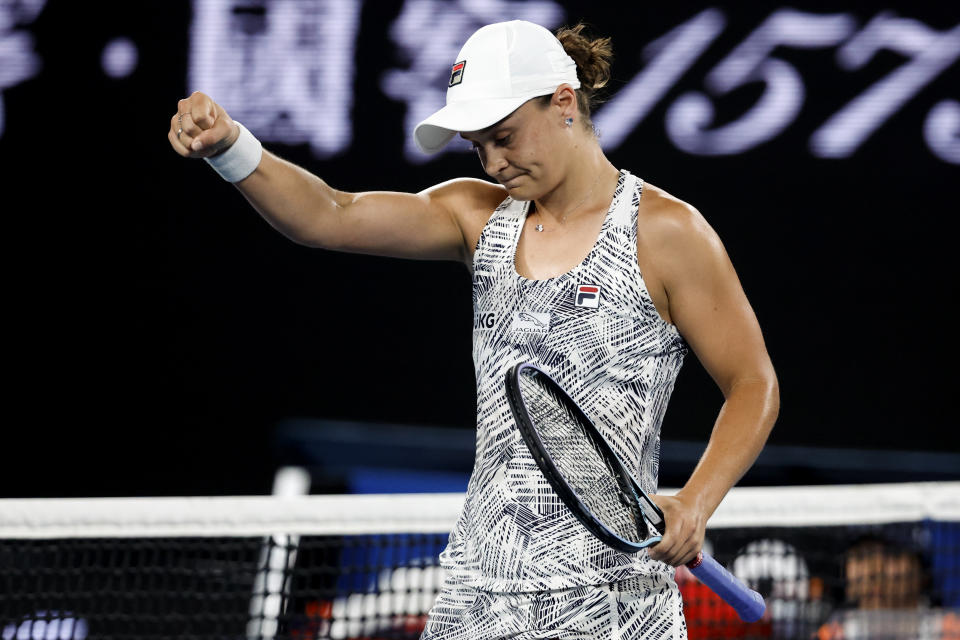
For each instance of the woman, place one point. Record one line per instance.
(601, 279)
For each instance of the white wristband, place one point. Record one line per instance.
(240, 159)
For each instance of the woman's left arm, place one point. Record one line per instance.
(707, 304)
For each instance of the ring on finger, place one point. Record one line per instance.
(179, 131)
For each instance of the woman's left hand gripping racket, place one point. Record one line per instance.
(594, 484)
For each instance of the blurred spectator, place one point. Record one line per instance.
(779, 572)
(887, 596)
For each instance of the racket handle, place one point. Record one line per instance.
(746, 602)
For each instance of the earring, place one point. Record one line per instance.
(569, 122)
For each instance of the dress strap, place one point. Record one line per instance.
(498, 240)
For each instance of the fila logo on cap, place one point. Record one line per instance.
(588, 295)
(456, 75)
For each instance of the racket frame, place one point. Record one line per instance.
(748, 604)
(650, 513)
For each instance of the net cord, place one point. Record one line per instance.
(238, 516)
(831, 505)
(436, 513)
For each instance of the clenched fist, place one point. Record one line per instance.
(201, 128)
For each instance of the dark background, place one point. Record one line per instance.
(158, 330)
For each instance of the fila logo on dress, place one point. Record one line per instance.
(588, 295)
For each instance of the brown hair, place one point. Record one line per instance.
(593, 57)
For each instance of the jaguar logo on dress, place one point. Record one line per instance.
(588, 295)
(531, 322)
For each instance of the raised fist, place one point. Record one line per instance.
(201, 128)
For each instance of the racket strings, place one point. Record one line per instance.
(580, 460)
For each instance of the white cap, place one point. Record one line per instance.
(499, 68)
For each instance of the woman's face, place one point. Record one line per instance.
(524, 152)
(880, 578)
(864, 571)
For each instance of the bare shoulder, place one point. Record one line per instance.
(665, 220)
(675, 235)
(675, 245)
(470, 202)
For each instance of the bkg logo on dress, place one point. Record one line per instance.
(484, 320)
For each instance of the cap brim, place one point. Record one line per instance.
(435, 132)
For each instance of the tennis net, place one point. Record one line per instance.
(832, 562)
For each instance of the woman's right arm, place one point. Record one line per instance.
(440, 223)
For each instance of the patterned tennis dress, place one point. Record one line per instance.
(519, 564)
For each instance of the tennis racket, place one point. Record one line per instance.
(595, 485)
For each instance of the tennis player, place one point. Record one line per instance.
(584, 269)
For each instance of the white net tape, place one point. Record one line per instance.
(436, 513)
